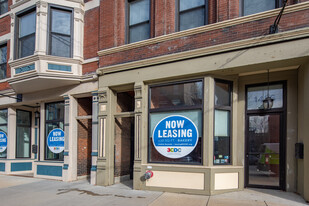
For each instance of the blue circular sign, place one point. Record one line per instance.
(175, 136)
(55, 140)
(3, 141)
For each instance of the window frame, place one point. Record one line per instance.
(49, 29)
(178, 13)
(278, 4)
(45, 129)
(6, 124)
(4, 2)
(230, 126)
(30, 126)
(171, 109)
(128, 26)
(4, 65)
(18, 15)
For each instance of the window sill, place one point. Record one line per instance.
(5, 14)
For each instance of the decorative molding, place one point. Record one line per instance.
(87, 61)
(32, 58)
(17, 4)
(257, 41)
(206, 28)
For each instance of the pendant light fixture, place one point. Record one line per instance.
(268, 101)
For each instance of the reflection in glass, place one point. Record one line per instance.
(26, 40)
(222, 94)
(191, 14)
(3, 6)
(60, 34)
(264, 147)
(185, 4)
(23, 134)
(54, 119)
(3, 127)
(185, 94)
(139, 11)
(255, 6)
(139, 26)
(27, 24)
(256, 95)
(61, 21)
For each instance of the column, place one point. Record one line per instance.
(137, 184)
(94, 152)
(70, 142)
(105, 161)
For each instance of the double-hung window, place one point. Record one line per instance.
(3, 6)
(256, 6)
(139, 20)
(26, 22)
(3, 129)
(222, 122)
(60, 31)
(3, 60)
(23, 134)
(191, 13)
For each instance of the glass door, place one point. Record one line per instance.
(263, 154)
(265, 136)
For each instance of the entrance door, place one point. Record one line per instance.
(124, 149)
(265, 143)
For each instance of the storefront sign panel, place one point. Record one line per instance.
(175, 136)
(3, 141)
(55, 140)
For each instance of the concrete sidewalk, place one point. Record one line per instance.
(37, 192)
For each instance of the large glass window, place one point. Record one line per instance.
(3, 60)
(3, 6)
(175, 117)
(60, 32)
(139, 20)
(191, 14)
(26, 33)
(3, 127)
(222, 122)
(54, 119)
(23, 134)
(256, 6)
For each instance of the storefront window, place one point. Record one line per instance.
(23, 134)
(54, 120)
(222, 122)
(3, 129)
(176, 123)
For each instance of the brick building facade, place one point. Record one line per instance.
(109, 73)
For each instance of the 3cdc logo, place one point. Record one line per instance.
(173, 149)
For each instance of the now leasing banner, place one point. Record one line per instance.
(3, 141)
(55, 140)
(175, 136)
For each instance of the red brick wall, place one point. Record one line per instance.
(84, 137)
(90, 67)
(288, 22)
(91, 33)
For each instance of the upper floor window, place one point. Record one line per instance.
(3, 57)
(191, 13)
(26, 33)
(3, 6)
(139, 20)
(60, 32)
(256, 6)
